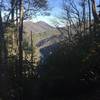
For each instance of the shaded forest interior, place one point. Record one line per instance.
(68, 68)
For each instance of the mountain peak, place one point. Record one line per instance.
(37, 27)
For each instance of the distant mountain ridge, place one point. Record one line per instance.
(40, 31)
(45, 37)
(37, 27)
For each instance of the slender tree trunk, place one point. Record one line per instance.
(89, 5)
(17, 27)
(13, 9)
(3, 49)
(16, 14)
(94, 12)
(3, 62)
(21, 14)
(84, 17)
(31, 47)
(20, 51)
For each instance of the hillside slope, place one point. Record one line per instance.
(38, 27)
(40, 31)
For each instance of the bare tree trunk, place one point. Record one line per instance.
(89, 5)
(21, 14)
(31, 47)
(19, 68)
(13, 10)
(17, 27)
(3, 62)
(94, 12)
(84, 17)
(16, 14)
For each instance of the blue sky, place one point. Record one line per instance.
(55, 10)
(56, 6)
